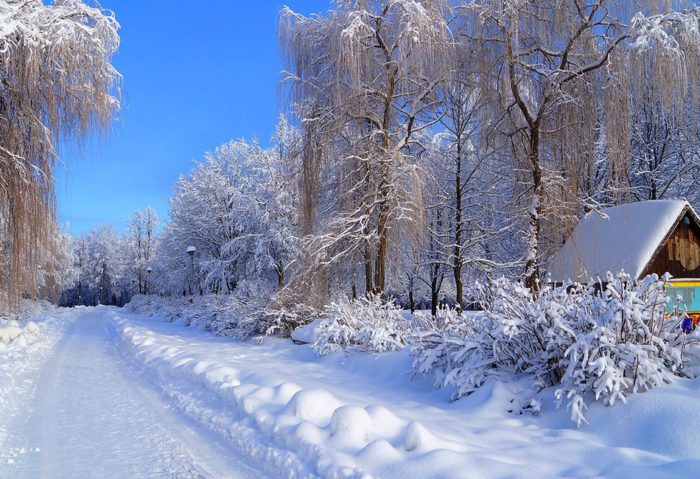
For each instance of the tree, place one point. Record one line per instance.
(362, 80)
(99, 270)
(140, 242)
(56, 84)
(559, 70)
(265, 206)
(238, 208)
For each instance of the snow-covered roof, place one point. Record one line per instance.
(623, 237)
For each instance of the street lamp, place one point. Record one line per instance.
(191, 251)
(148, 274)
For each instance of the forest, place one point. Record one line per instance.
(424, 147)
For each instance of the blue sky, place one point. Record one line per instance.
(194, 77)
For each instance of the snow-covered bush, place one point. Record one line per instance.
(237, 314)
(177, 308)
(255, 309)
(449, 350)
(367, 324)
(592, 343)
(281, 318)
(252, 310)
(628, 345)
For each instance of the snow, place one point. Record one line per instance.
(620, 238)
(101, 392)
(360, 415)
(9, 334)
(90, 416)
(19, 365)
(308, 333)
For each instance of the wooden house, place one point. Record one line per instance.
(640, 238)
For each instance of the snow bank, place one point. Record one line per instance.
(24, 346)
(297, 431)
(198, 313)
(16, 333)
(9, 334)
(308, 333)
(361, 416)
(15, 336)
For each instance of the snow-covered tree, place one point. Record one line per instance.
(561, 77)
(362, 79)
(238, 209)
(58, 85)
(140, 243)
(100, 265)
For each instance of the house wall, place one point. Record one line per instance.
(680, 255)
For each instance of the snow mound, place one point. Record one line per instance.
(32, 328)
(9, 334)
(313, 405)
(351, 424)
(418, 438)
(306, 334)
(295, 431)
(12, 333)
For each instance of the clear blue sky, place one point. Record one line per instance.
(195, 75)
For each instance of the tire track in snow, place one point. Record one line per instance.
(93, 419)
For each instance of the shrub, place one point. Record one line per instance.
(365, 324)
(591, 343)
(630, 345)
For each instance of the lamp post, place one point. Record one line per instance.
(148, 275)
(191, 251)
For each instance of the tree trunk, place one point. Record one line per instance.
(532, 269)
(368, 269)
(384, 186)
(434, 293)
(380, 265)
(280, 276)
(457, 267)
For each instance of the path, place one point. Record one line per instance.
(93, 417)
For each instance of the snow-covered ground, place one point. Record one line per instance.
(74, 409)
(121, 395)
(20, 361)
(343, 416)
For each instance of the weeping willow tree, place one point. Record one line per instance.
(564, 76)
(362, 81)
(57, 84)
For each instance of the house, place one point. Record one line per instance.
(640, 238)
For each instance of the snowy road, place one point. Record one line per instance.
(91, 416)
